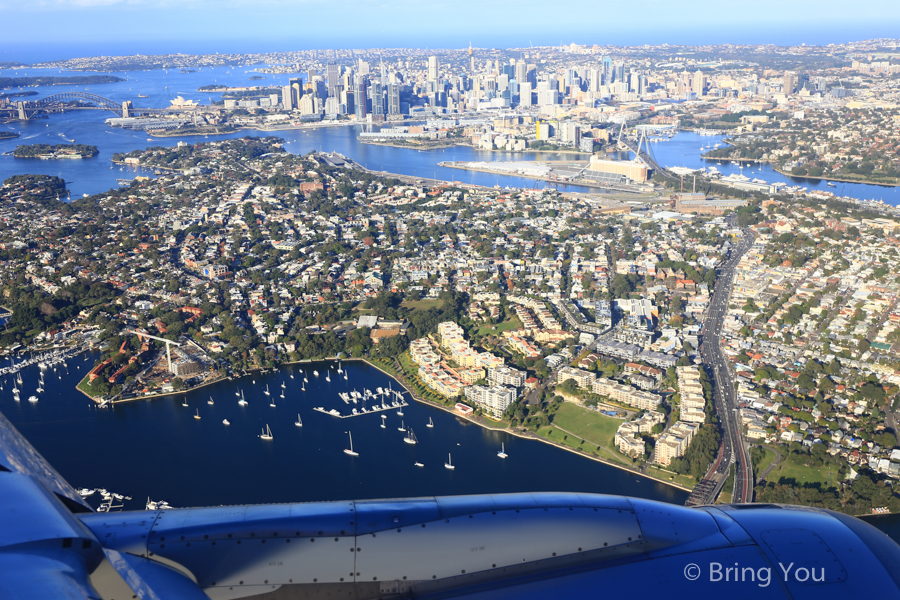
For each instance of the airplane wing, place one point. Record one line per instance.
(529, 545)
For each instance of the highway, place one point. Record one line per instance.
(733, 449)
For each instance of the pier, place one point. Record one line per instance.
(363, 411)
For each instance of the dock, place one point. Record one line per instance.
(362, 411)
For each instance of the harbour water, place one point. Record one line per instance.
(157, 449)
(684, 150)
(94, 175)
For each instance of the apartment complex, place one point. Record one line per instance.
(674, 442)
(628, 439)
(495, 399)
(693, 401)
(602, 386)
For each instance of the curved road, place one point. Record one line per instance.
(733, 449)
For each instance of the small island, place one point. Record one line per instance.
(8, 135)
(49, 152)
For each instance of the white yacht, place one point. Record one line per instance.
(411, 437)
(299, 422)
(282, 385)
(430, 423)
(210, 401)
(316, 373)
(418, 464)
(267, 393)
(502, 453)
(226, 422)
(383, 417)
(184, 402)
(242, 402)
(197, 416)
(402, 426)
(350, 451)
(449, 463)
(267, 434)
(32, 398)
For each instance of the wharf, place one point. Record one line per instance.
(367, 411)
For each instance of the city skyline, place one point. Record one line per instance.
(113, 26)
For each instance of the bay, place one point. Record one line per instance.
(94, 175)
(684, 150)
(156, 448)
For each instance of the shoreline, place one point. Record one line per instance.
(469, 145)
(449, 165)
(521, 435)
(792, 176)
(420, 148)
(827, 179)
(196, 133)
(414, 396)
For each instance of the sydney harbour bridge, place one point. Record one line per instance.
(25, 110)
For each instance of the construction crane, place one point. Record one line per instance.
(168, 344)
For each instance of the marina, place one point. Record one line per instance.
(238, 464)
(362, 411)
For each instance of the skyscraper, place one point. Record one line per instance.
(432, 68)
(287, 98)
(699, 83)
(393, 99)
(521, 71)
(360, 96)
(377, 98)
(525, 94)
(594, 80)
(333, 75)
(790, 82)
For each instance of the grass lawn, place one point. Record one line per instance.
(767, 460)
(685, 480)
(827, 476)
(561, 437)
(422, 304)
(498, 329)
(587, 424)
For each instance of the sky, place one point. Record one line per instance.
(46, 29)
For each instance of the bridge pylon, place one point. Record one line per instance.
(23, 116)
(126, 109)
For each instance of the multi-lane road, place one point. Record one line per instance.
(733, 449)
